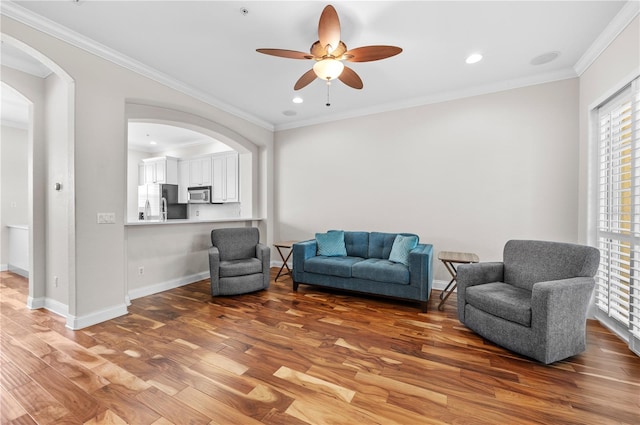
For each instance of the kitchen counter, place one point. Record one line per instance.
(190, 221)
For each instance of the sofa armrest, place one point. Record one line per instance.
(475, 274)
(559, 311)
(302, 251)
(214, 270)
(421, 269)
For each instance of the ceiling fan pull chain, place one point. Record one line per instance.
(328, 86)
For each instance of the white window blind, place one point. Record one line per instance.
(618, 219)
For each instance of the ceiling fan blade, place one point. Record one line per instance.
(305, 80)
(371, 53)
(329, 28)
(350, 78)
(290, 54)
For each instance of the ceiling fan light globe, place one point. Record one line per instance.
(328, 69)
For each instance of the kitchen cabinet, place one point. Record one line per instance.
(200, 171)
(225, 178)
(158, 170)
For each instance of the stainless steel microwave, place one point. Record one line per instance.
(199, 195)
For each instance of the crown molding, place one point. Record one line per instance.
(563, 74)
(619, 22)
(60, 32)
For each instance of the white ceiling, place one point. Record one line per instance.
(207, 48)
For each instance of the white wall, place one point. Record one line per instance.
(13, 181)
(465, 175)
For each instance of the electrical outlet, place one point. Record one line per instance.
(55, 281)
(197, 213)
(140, 270)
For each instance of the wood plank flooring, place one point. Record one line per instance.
(284, 357)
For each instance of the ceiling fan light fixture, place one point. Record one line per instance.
(328, 69)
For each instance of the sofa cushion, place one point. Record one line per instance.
(232, 268)
(380, 270)
(331, 244)
(380, 244)
(332, 266)
(402, 245)
(502, 300)
(357, 244)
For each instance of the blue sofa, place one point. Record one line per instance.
(366, 267)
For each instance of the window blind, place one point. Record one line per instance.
(618, 218)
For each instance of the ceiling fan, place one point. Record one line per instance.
(329, 52)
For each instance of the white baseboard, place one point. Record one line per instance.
(48, 304)
(18, 270)
(439, 284)
(165, 286)
(3, 267)
(74, 322)
(80, 322)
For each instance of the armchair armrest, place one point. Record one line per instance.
(475, 274)
(214, 270)
(302, 251)
(263, 253)
(559, 312)
(421, 269)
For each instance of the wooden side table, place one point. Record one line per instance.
(287, 245)
(449, 259)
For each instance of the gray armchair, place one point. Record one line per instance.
(535, 301)
(238, 262)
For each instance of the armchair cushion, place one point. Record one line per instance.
(240, 267)
(502, 300)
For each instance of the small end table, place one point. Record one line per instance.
(449, 259)
(287, 245)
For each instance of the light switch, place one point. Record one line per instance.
(106, 218)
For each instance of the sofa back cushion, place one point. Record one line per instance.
(357, 244)
(529, 262)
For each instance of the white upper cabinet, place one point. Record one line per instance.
(200, 171)
(158, 170)
(225, 177)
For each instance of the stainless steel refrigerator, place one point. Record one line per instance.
(160, 202)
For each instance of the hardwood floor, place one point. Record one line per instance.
(280, 357)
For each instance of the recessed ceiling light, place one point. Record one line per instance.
(474, 58)
(297, 99)
(152, 142)
(544, 58)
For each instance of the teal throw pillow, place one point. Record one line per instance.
(402, 245)
(331, 244)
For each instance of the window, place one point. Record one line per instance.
(618, 219)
